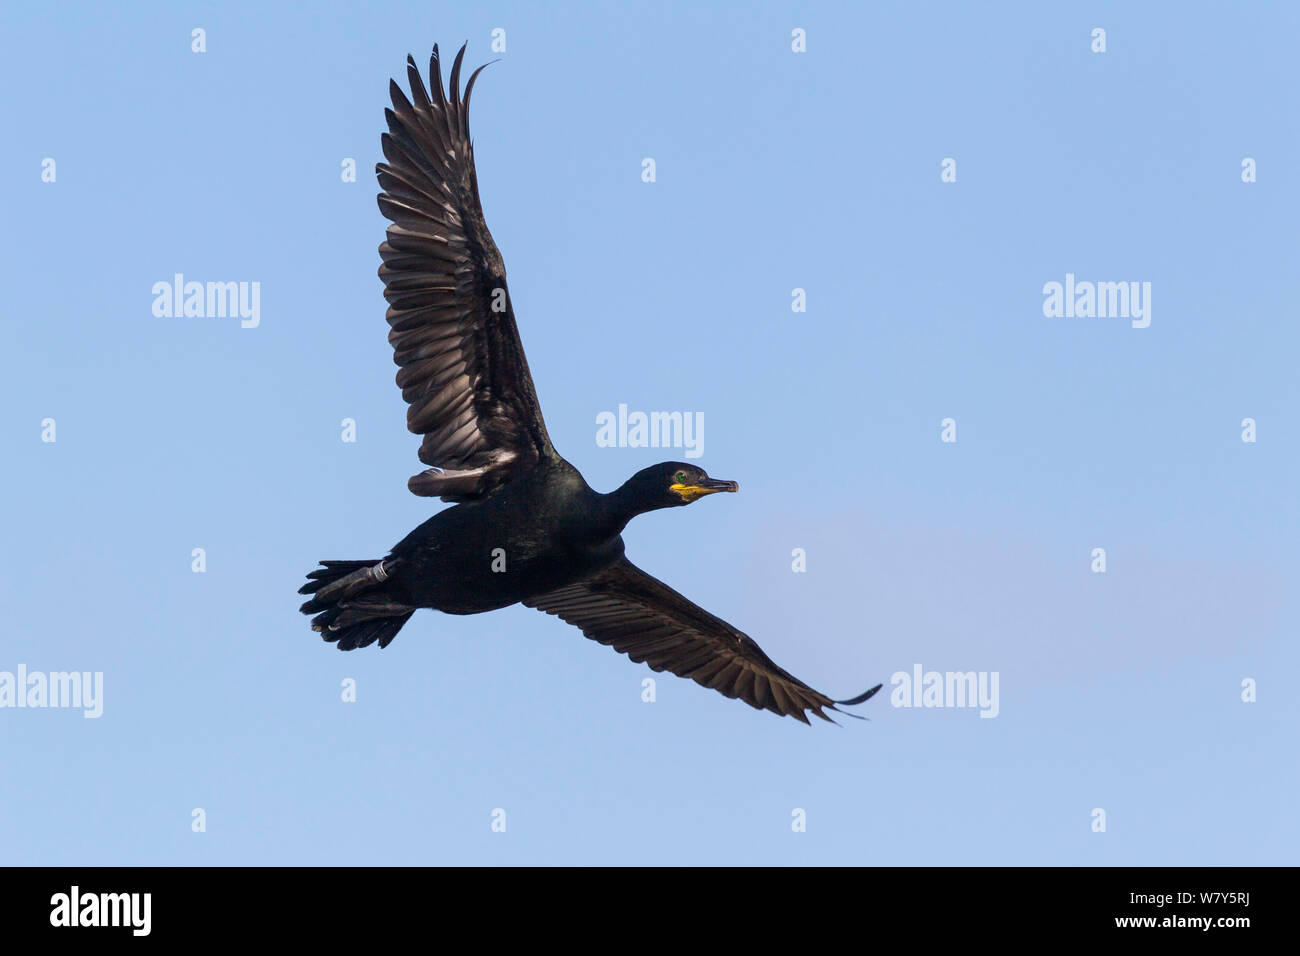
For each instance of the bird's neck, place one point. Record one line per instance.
(617, 508)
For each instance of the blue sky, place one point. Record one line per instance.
(775, 170)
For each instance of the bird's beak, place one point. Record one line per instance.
(706, 486)
(714, 484)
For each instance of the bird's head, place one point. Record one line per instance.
(670, 484)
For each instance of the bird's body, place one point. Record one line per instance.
(545, 529)
(525, 527)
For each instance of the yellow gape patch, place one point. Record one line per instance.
(691, 492)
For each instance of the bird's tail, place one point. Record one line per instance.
(351, 605)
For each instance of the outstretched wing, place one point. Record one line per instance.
(463, 370)
(642, 617)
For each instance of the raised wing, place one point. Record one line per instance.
(463, 370)
(642, 617)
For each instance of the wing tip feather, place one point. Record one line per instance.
(861, 698)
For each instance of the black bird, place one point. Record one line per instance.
(526, 527)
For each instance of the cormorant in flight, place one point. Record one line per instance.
(463, 372)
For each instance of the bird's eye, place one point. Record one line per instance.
(680, 477)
